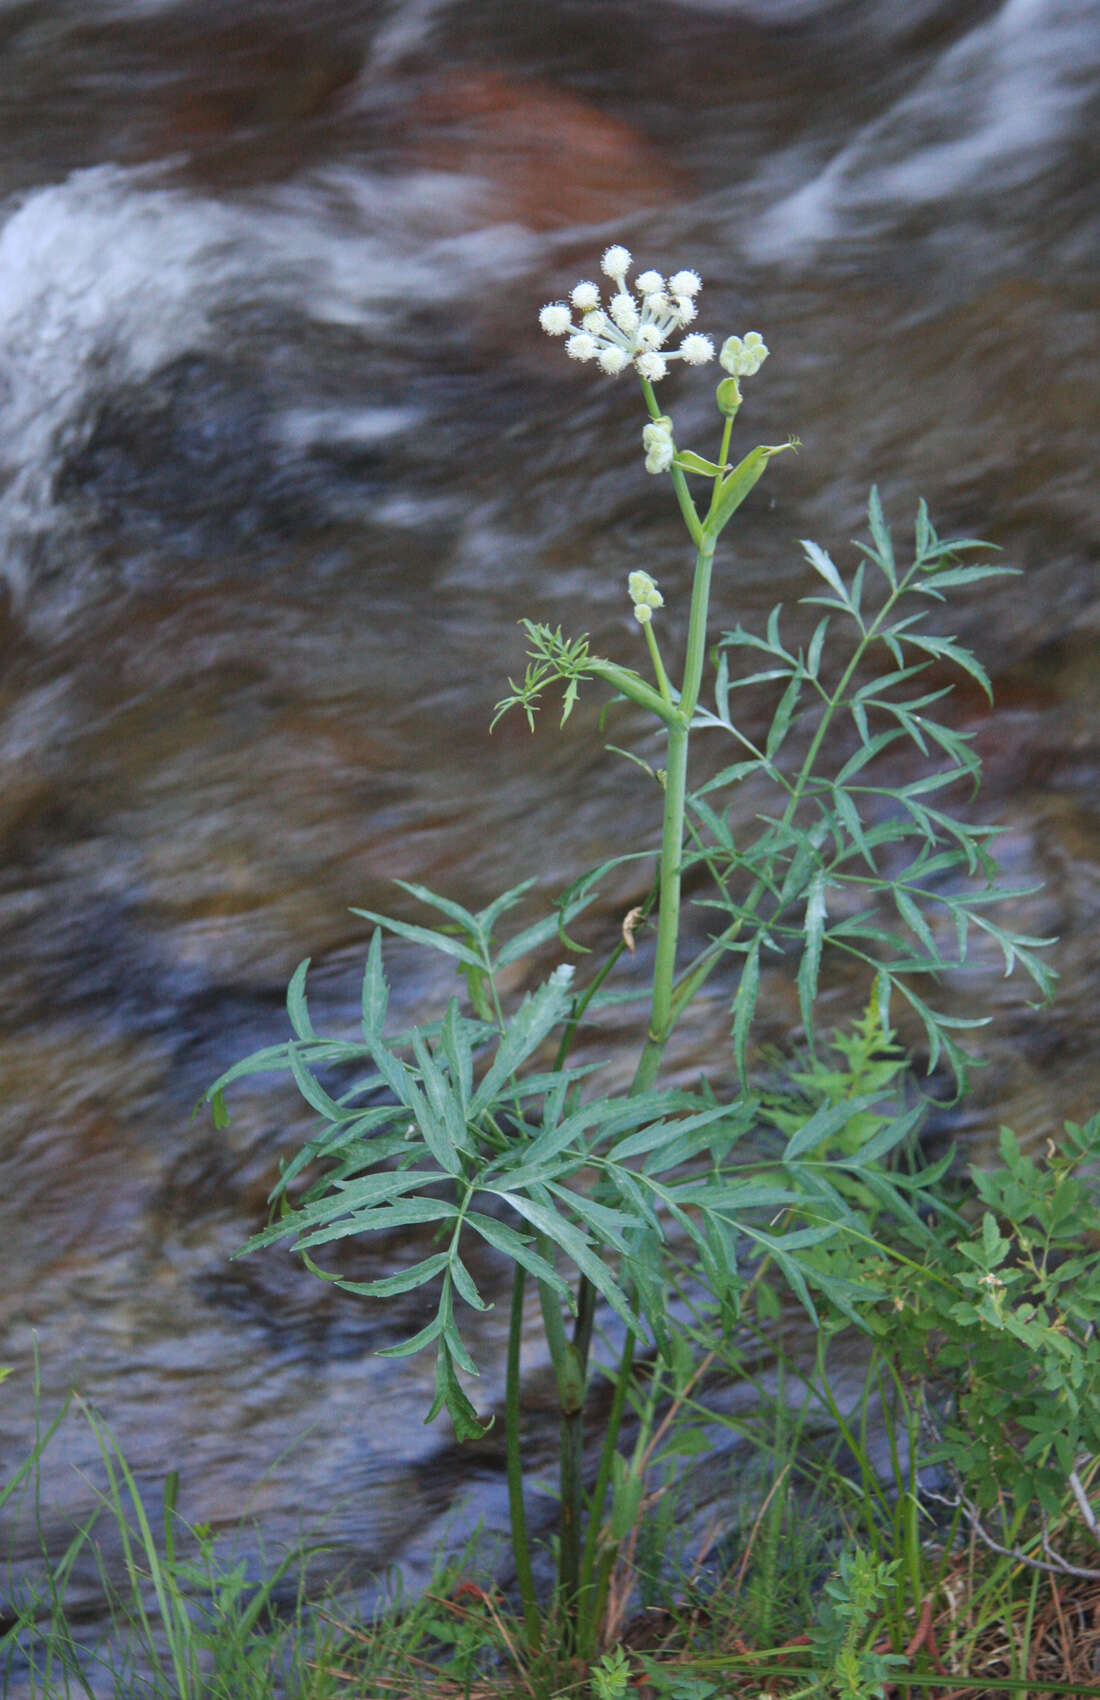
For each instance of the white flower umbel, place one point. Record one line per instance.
(635, 326)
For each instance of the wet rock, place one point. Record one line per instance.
(548, 157)
(191, 455)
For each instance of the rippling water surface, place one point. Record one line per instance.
(283, 458)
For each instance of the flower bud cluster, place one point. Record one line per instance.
(635, 325)
(742, 357)
(658, 444)
(645, 596)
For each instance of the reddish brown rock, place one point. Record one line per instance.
(551, 159)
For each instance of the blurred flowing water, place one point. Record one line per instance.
(284, 457)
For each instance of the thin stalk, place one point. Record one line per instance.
(521, 1546)
(572, 1503)
(587, 1604)
(679, 482)
(658, 665)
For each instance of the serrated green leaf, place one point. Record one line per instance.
(744, 1008)
(432, 900)
(946, 649)
(822, 563)
(465, 1285)
(516, 1247)
(405, 1281)
(576, 1246)
(783, 716)
(848, 815)
(881, 536)
(446, 1109)
(296, 1005)
(383, 1219)
(537, 1015)
(911, 915)
(728, 776)
(376, 993)
(312, 1090)
(409, 1348)
(647, 1139)
(956, 576)
(871, 747)
(450, 1395)
(814, 934)
(459, 1056)
(825, 1123)
(817, 642)
(442, 942)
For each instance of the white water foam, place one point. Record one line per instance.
(984, 116)
(106, 277)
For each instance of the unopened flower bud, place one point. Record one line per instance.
(742, 357)
(728, 397)
(643, 613)
(643, 590)
(657, 436)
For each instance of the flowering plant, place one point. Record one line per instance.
(470, 1126)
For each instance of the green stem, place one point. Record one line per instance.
(662, 1017)
(588, 1602)
(658, 665)
(572, 1503)
(521, 1547)
(679, 482)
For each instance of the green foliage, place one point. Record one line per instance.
(843, 1637)
(1001, 1327)
(860, 860)
(478, 1130)
(185, 1620)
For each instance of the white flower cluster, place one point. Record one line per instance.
(630, 331)
(645, 596)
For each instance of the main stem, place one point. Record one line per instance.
(661, 1021)
(574, 1574)
(662, 1015)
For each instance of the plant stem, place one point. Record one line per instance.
(521, 1547)
(569, 1533)
(587, 1603)
(662, 1015)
